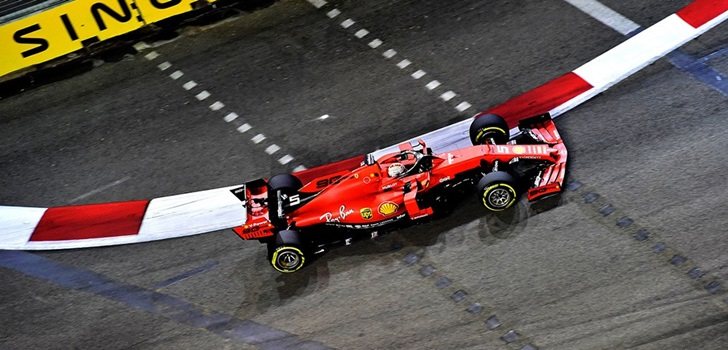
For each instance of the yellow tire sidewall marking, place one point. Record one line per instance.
(490, 128)
(287, 247)
(494, 186)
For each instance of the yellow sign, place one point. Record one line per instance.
(70, 27)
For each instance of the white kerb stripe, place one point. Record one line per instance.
(389, 53)
(606, 15)
(152, 55)
(636, 53)
(17, 225)
(191, 213)
(333, 13)
(258, 138)
(176, 75)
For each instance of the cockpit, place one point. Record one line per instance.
(409, 161)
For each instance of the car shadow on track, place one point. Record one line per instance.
(269, 289)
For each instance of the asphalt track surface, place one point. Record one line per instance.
(609, 265)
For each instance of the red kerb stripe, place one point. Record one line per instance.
(700, 12)
(90, 221)
(541, 99)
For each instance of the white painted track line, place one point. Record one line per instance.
(100, 189)
(272, 149)
(347, 23)
(245, 127)
(463, 106)
(217, 106)
(389, 53)
(317, 3)
(189, 85)
(447, 96)
(203, 95)
(375, 43)
(151, 56)
(432, 85)
(418, 74)
(141, 46)
(285, 159)
(230, 117)
(604, 14)
(176, 75)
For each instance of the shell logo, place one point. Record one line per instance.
(388, 208)
(519, 149)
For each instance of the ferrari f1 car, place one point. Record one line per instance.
(298, 221)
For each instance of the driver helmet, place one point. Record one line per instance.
(395, 170)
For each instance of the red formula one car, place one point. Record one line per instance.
(299, 220)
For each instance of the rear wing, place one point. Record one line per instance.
(551, 179)
(254, 198)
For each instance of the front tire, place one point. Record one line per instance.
(498, 191)
(487, 128)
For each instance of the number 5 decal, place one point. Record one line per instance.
(294, 200)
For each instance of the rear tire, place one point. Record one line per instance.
(287, 183)
(287, 254)
(498, 191)
(489, 127)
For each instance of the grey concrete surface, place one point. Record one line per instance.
(563, 278)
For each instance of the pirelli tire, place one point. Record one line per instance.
(498, 191)
(286, 183)
(286, 254)
(489, 127)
